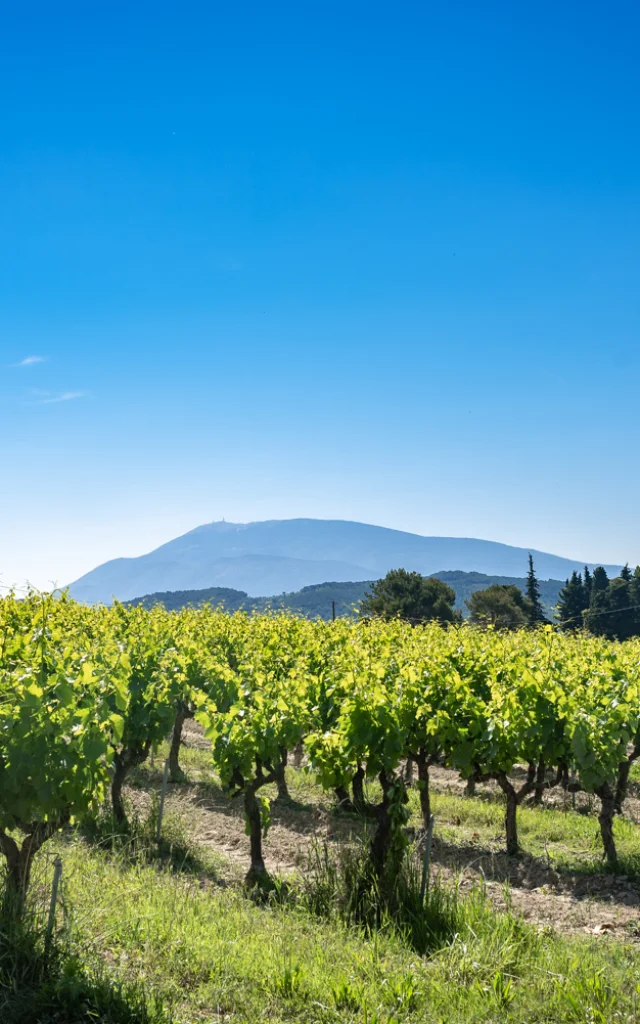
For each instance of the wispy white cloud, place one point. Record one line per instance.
(64, 396)
(51, 397)
(31, 361)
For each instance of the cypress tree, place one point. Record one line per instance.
(572, 602)
(614, 606)
(634, 594)
(595, 618)
(621, 620)
(600, 580)
(535, 611)
(588, 584)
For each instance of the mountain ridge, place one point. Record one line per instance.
(276, 556)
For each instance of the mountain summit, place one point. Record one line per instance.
(288, 554)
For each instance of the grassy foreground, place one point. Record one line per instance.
(202, 952)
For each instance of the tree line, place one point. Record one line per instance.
(602, 606)
(588, 601)
(416, 598)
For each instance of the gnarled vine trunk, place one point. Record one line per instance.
(540, 779)
(623, 777)
(514, 798)
(117, 783)
(423, 787)
(175, 771)
(605, 819)
(279, 772)
(381, 840)
(123, 762)
(257, 871)
(472, 780)
(343, 798)
(357, 787)
(621, 785)
(388, 839)
(20, 860)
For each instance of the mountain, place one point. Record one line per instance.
(286, 555)
(318, 601)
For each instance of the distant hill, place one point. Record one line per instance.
(174, 600)
(313, 602)
(317, 601)
(465, 583)
(285, 556)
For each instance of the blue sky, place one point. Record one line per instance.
(362, 261)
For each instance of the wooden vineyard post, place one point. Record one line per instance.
(163, 793)
(57, 872)
(427, 859)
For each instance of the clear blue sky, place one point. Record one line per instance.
(353, 260)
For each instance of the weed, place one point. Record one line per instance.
(345, 996)
(403, 993)
(289, 984)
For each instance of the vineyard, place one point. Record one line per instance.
(369, 710)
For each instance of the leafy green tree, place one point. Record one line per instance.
(535, 611)
(588, 585)
(572, 602)
(499, 606)
(408, 595)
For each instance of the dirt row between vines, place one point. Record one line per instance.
(599, 904)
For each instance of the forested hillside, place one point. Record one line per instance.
(313, 602)
(317, 601)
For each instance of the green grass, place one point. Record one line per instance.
(44, 980)
(206, 953)
(567, 841)
(163, 933)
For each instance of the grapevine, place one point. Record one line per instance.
(87, 692)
